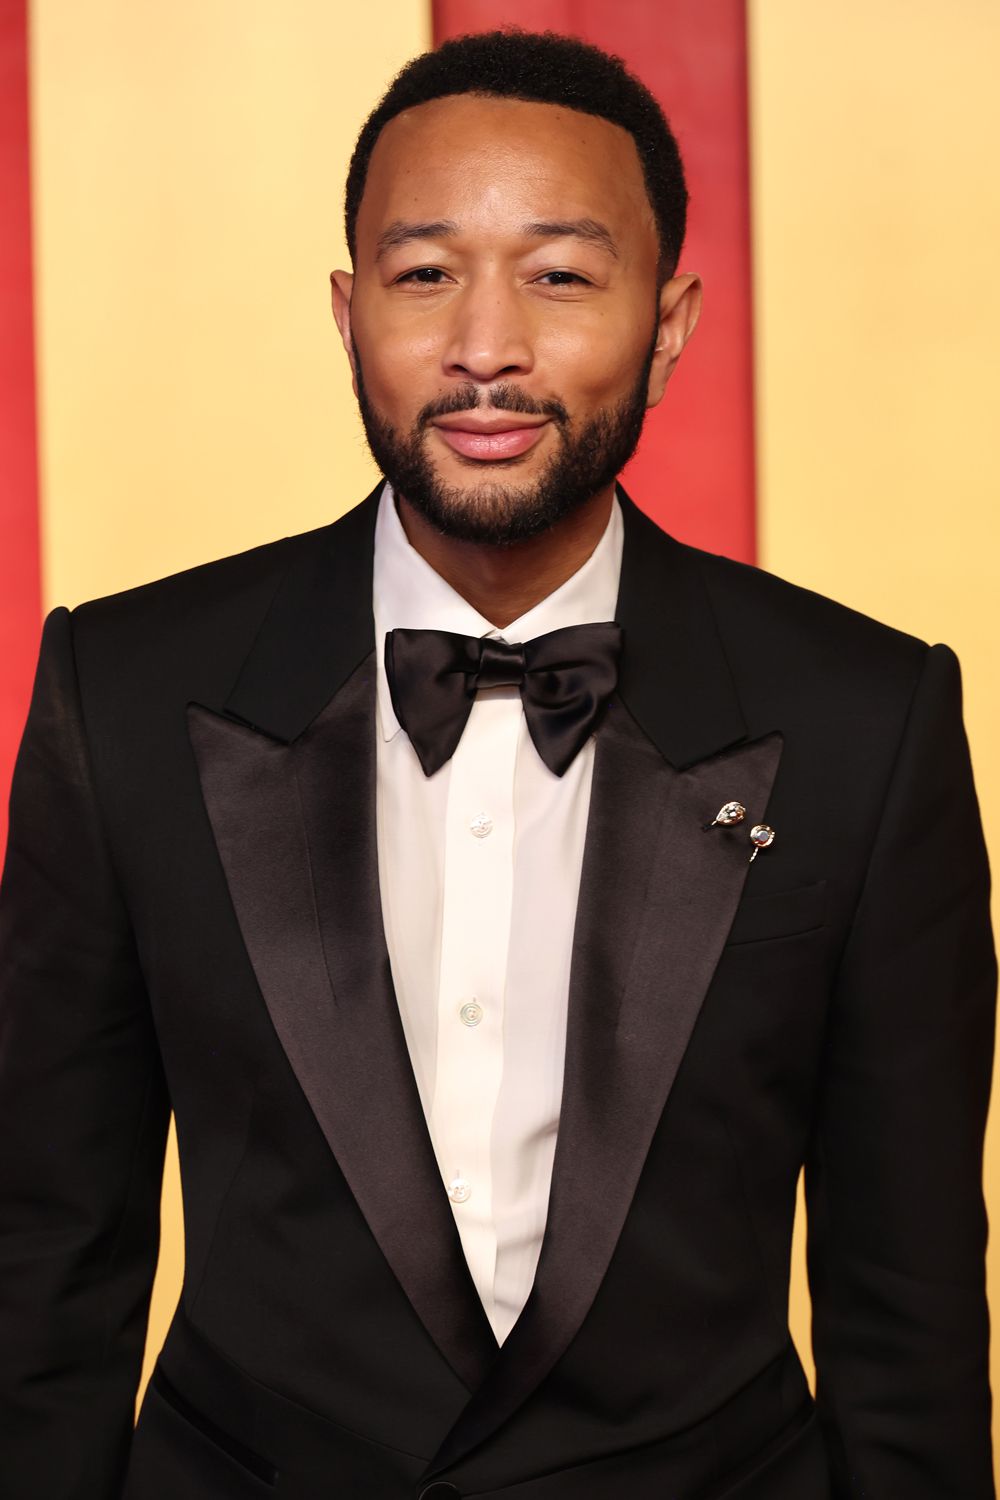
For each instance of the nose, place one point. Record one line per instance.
(490, 335)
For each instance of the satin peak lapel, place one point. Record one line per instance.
(295, 829)
(657, 899)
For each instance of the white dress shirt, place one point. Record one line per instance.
(479, 872)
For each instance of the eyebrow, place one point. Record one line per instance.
(401, 232)
(580, 229)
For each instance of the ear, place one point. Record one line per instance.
(679, 310)
(341, 285)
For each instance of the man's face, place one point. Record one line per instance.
(505, 322)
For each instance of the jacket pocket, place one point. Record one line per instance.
(778, 914)
(261, 1468)
(793, 1468)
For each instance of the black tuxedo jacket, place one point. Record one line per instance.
(191, 920)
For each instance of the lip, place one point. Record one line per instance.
(491, 439)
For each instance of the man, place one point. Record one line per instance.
(508, 900)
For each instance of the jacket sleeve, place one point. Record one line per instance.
(896, 1220)
(83, 1119)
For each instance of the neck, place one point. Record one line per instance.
(504, 582)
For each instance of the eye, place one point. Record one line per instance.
(422, 276)
(563, 278)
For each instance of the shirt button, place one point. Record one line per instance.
(481, 826)
(440, 1491)
(459, 1191)
(471, 1013)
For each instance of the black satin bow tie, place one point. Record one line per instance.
(565, 679)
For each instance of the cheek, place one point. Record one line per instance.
(395, 387)
(399, 359)
(592, 367)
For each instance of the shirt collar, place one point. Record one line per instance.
(408, 594)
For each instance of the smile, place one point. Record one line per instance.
(491, 447)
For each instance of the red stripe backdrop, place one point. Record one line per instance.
(20, 591)
(694, 472)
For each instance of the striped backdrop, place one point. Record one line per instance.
(171, 386)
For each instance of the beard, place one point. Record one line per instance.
(499, 511)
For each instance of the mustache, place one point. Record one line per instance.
(503, 397)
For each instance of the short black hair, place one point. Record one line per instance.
(543, 68)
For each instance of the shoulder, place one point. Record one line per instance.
(765, 623)
(174, 638)
(222, 584)
(807, 657)
(798, 621)
(202, 607)
(186, 637)
(189, 633)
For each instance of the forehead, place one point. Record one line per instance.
(485, 161)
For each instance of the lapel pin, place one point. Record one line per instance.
(762, 837)
(729, 814)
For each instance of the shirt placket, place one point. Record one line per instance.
(475, 935)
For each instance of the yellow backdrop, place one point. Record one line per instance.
(193, 399)
(876, 126)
